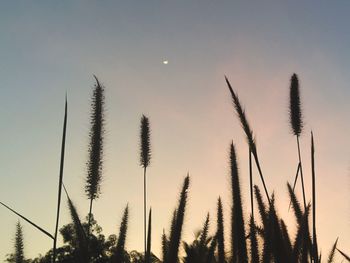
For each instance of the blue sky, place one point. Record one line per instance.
(48, 48)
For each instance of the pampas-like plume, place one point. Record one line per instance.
(145, 145)
(81, 239)
(145, 159)
(175, 237)
(286, 239)
(261, 206)
(296, 205)
(220, 233)
(149, 238)
(165, 246)
(60, 182)
(238, 243)
(295, 114)
(204, 236)
(302, 240)
(94, 165)
(332, 252)
(120, 249)
(296, 122)
(248, 131)
(19, 246)
(93, 180)
(211, 250)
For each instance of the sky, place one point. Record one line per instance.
(50, 48)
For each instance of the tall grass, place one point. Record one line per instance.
(60, 181)
(249, 133)
(220, 237)
(145, 159)
(266, 240)
(19, 244)
(238, 244)
(175, 235)
(120, 248)
(94, 165)
(149, 238)
(296, 122)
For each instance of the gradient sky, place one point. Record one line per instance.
(48, 48)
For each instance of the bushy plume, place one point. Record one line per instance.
(175, 237)
(211, 251)
(94, 165)
(278, 249)
(165, 246)
(254, 248)
(220, 233)
(19, 244)
(261, 206)
(295, 106)
(120, 249)
(145, 144)
(296, 205)
(332, 252)
(204, 236)
(145, 158)
(248, 131)
(302, 242)
(286, 238)
(242, 117)
(79, 233)
(238, 244)
(149, 238)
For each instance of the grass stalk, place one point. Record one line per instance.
(314, 235)
(28, 221)
(60, 181)
(149, 238)
(145, 159)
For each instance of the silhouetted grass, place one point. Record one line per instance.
(94, 165)
(145, 159)
(60, 181)
(332, 252)
(175, 237)
(296, 122)
(149, 238)
(220, 237)
(268, 242)
(248, 131)
(238, 244)
(120, 248)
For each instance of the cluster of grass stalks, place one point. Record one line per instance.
(259, 238)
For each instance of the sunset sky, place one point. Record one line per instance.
(48, 48)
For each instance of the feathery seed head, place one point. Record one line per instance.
(295, 106)
(145, 145)
(242, 117)
(94, 165)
